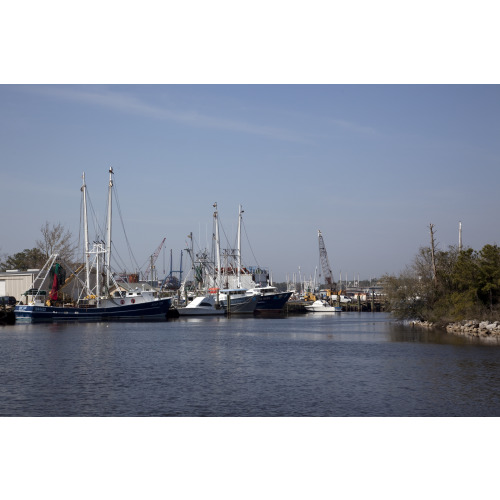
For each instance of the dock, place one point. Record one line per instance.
(7, 316)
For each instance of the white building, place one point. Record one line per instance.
(14, 283)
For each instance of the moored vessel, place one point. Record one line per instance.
(270, 299)
(204, 305)
(90, 297)
(323, 306)
(238, 301)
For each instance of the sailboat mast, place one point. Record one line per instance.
(108, 235)
(86, 234)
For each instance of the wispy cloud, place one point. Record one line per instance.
(354, 127)
(127, 103)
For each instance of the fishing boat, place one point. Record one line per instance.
(226, 280)
(90, 298)
(270, 299)
(202, 306)
(249, 282)
(323, 306)
(241, 290)
(238, 300)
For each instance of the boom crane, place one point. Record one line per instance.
(325, 264)
(153, 259)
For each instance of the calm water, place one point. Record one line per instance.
(313, 365)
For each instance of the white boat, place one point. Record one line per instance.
(323, 306)
(202, 306)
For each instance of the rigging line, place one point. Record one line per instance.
(117, 258)
(123, 226)
(97, 228)
(249, 244)
(225, 235)
(143, 265)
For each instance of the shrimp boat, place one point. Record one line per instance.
(221, 283)
(90, 297)
(238, 300)
(270, 299)
(244, 286)
(238, 289)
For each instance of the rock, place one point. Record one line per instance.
(484, 330)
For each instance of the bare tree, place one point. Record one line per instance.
(55, 239)
(433, 255)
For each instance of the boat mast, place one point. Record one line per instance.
(217, 245)
(108, 235)
(97, 247)
(238, 256)
(86, 233)
(191, 252)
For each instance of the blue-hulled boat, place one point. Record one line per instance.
(270, 300)
(238, 301)
(89, 298)
(143, 308)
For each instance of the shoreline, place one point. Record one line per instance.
(483, 330)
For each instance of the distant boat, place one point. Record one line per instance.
(238, 301)
(244, 286)
(201, 306)
(270, 299)
(92, 303)
(323, 306)
(250, 281)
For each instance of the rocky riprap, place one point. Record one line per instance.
(483, 331)
(422, 324)
(475, 328)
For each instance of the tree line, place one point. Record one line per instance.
(54, 239)
(447, 286)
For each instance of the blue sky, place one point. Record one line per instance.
(369, 165)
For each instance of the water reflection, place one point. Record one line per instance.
(405, 333)
(353, 364)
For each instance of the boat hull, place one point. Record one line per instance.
(320, 306)
(153, 310)
(203, 305)
(243, 305)
(272, 302)
(198, 311)
(324, 309)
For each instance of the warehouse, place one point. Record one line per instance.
(14, 283)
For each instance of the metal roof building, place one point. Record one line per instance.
(14, 283)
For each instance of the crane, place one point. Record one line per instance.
(325, 264)
(153, 259)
